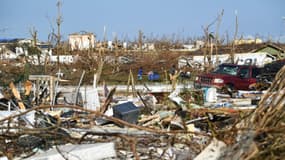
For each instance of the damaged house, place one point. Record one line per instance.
(261, 56)
(9, 49)
(81, 41)
(273, 50)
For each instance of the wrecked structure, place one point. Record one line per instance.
(265, 53)
(191, 125)
(81, 41)
(46, 119)
(258, 59)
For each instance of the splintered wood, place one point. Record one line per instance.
(261, 134)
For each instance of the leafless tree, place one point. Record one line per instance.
(35, 49)
(140, 41)
(217, 37)
(116, 65)
(207, 39)
(233, 43)
(58, 22)
(208, 49)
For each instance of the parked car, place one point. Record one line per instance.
(232, 76)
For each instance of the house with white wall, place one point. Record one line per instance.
(81, 41)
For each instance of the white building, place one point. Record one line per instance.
(148, 46)
(199, 44)
(66, 59)
(258, 59)
(23, 41)
(7, 54)
(248, 41)
(81, 41)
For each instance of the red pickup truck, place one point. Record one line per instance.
(232, 76)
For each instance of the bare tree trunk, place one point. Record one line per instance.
(208, 40)
(58, 22)
(217, 40)
(117, 64)
(205, 49)
(207, 52)
(99, 71)
(227, 38)
(131, 82)
(33, 33)
(140, 42)
(233, 43)
(50, 38)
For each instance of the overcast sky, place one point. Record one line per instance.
(182, 18)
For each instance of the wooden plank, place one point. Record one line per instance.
(17, 95)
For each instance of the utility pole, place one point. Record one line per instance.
(58, 22)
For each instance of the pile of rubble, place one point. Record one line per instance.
(185, 124)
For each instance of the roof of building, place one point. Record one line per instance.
(270, 45)
(44, 46)
(82, 33)
(243, 48)
(8, 40)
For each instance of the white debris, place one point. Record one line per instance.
(74, 152)
(213, 151)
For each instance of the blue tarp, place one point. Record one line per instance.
(153, 76)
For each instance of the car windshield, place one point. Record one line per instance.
(225, 69)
